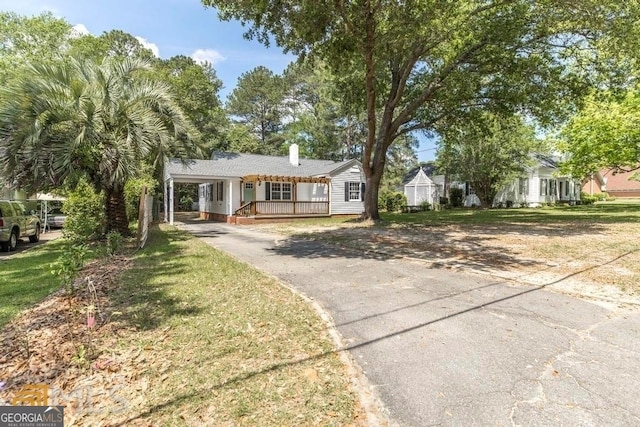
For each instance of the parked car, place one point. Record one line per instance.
(15, 223)
(55, 218)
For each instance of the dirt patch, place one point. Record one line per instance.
(594, 260)
(68, 342)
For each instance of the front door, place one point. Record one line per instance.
(248, 194)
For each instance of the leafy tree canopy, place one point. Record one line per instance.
(256, 103)
(604, 134)
(414, 65)
(196, 87)
(23, 39)
(488, 152)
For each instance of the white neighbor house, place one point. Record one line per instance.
(242, 188)
(540, 184)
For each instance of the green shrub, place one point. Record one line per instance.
(114, 242)
(425, 206)
(392, 201)
(186, 203)
(601, 197)
(85, 213)
(456, 196)
(587, 199)
(132, 190)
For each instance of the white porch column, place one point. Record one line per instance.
(171, 201)
(166, 201)
(230, 192)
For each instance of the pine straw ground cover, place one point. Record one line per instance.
(183, 335)
(587, 250)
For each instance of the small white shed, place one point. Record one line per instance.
(419, 188)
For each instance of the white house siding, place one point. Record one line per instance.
(236, 194)
(208, 197)
(532, 197)
(312, 192)
(338, 206)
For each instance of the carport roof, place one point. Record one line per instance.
(242, 164)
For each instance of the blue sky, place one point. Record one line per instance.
(169, 28)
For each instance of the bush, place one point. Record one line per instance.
(186, 203)
(587, 199)
(601, 197)
(132, 190)
(392, 201)
(456, 196)
(114, 242)
(85, 213)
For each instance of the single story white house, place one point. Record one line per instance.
(539, 184)
(243, 188)
(542, 184)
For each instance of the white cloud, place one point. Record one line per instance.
(207, 55)
(151, 46)
(79, 30)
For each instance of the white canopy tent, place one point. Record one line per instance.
(44, 199)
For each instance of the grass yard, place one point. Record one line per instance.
(192, 337)
(26, 279)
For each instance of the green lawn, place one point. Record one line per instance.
(224, 344)
(606, 212)
(26, 278)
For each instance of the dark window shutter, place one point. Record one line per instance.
(362, 187)
(267, 191)
(346, 191)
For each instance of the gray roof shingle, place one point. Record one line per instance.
(242, 164)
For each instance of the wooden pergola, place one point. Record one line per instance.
(282, 178)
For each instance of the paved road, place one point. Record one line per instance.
(24, 244)
(447, 348)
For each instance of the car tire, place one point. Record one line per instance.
(13, 241)
(36, 235)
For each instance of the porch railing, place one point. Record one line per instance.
(282, 207)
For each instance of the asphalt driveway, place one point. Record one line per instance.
(450, 348)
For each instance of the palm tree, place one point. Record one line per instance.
(102, 121)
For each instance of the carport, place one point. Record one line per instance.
(191, 172)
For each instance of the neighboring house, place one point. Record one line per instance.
(615, 184)
(419, 188)
(242, 188)
(539, 184)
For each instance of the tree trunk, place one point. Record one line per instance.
(116, 212)
(371, 193)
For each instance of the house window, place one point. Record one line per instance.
(552, 187)
(523, 186)
(201, 191)
(354, 191)
(220, 191)
(280, 191)
(210, 192)
(544, 190)
(248, 185)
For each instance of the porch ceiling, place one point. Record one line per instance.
(281, 178)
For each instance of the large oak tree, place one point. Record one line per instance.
(413, 64)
